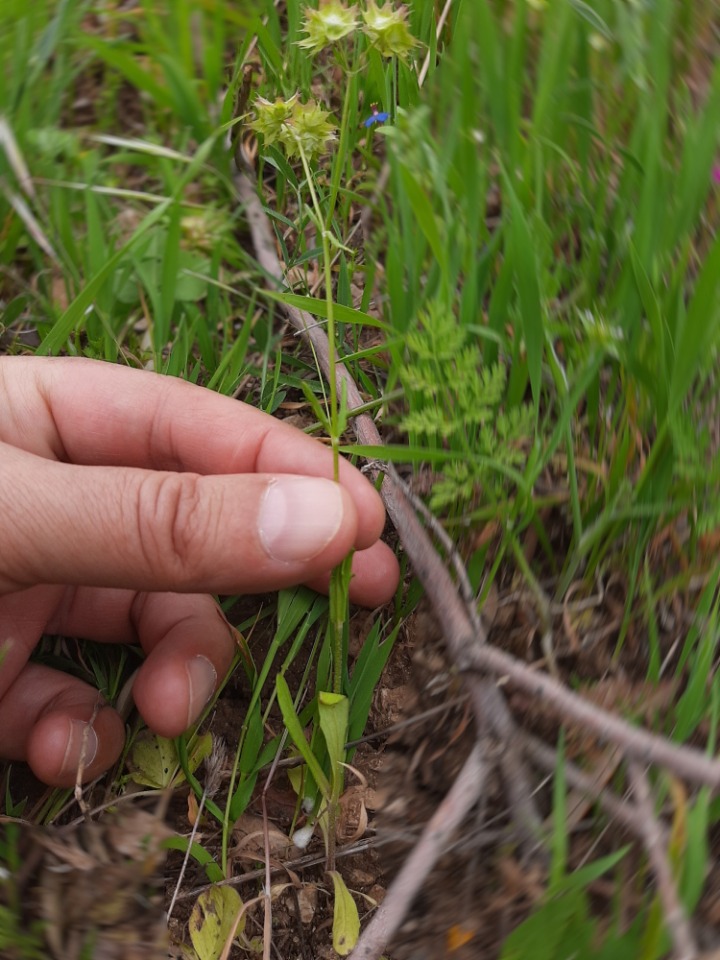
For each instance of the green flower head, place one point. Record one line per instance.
(302, 128)
(271, 116)
(309, 130)
(386, 28)
(330, 23)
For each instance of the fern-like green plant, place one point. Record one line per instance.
(456, 405)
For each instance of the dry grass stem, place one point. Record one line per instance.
(653, 835)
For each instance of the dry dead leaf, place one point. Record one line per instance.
(353, 818)
(307, 902)
(249, 835)
(192, 809)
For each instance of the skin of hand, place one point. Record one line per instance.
(126, 498)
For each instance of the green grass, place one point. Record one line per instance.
(543, 267)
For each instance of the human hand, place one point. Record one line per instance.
(125, 499)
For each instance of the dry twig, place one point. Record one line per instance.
(432, 844)
(544, 757)
(653, 835)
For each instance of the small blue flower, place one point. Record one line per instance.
(377, 116)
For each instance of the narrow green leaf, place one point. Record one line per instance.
(333, 710)
(541, 935)
(267, 45)
(699, 329)
(70, 319)
(480, 21)
(696, 855)
(694, 178)
(367, 671)
(555, 58)
(72, 316)
(47, 42)
(593, 18)
(169, 278)
(425, 218)
(319, 308)
(297, 734)
(657, 328)
(560, 839)
(185, 100)
(522, 250)
(592, 871)
(198, 853)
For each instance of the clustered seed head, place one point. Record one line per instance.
(271, 116)
(302, 128)
(306, 128)
(326, 26)
(385, 27)
(387, 30)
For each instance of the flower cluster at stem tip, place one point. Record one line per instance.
(306, 129)
(302, 128)
(385, 27)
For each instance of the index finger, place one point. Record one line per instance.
(91, 412)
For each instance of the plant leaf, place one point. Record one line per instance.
(334, 709)
(425, 217)
(523, 246)
(697, 333)
(319, 308)
(213, 920)
(155, 761)
(294, 728)
(346, 922)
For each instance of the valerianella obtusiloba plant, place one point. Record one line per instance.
(385, 27)
(302, 128)
(387, 30)
(326, 26)
(271, 116)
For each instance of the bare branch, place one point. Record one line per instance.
(637, 743)
(545, 758)
(655, 841)
(432, 844)
(490, 706)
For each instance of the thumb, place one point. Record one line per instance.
(153, 530)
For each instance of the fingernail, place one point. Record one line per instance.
(82, 745)
(202, 679)
(299, 516)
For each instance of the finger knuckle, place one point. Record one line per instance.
(174, 524)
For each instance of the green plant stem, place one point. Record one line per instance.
(332, 352)
(341, 156)
(394, 105)
(338, 583)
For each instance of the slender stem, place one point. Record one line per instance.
(327, 267)
(338, 589)
(341, 156)
(394, 65)
(334, 436)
